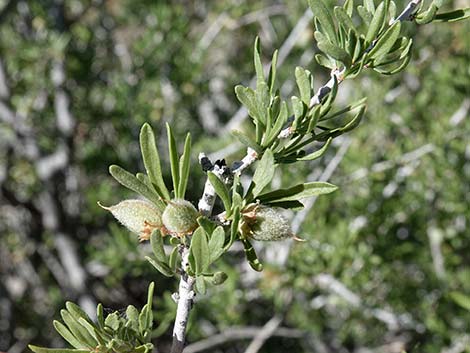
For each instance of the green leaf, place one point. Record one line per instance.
(349, 7)
(161, 267)
(258, 65)
(325, 61)
(460, 299)
(453, 16)
(264, 173)
(247, 141)
(335, 52)
(150, 290)
(67, 335)
(233, 227)
(323, 14)
(221, 190)
(376, 23)
(365, 15)
(386, 42)
(216, 243)
(298, 192)
(199, 248)
(78, 330)
(206, 224)
(132, 315)
(251, 256)
(156, 241)
(428, 15)
(200, 285)
(369, 5)
(272, 72)
(292, 205)
(344, 19)
(175, 175)
(247, 97)
(303, 79)
(184, 165)
(131, 182)
(77, 312)
(317, 154)
(280, 122)
(152, 160)
(348, 108)
(100, 315)
(173, 259)
(37, 349)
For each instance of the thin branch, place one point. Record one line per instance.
(185, 299)
(237, 334)
(263, 335)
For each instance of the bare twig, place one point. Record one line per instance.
(185, 299)
(239, 333)
(267, 331)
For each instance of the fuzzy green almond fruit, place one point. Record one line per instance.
(265, 223)
(180, 217)
(140, 217)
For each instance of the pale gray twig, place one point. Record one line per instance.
(239, 333)
(267, 331)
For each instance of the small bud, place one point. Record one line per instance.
(180, 217)
(265, 224)
(219, 278)
(140, 217)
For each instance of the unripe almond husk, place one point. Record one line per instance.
(180, 217)
(265, 223)
(140, 217)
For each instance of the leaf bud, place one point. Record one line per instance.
(180, 217)
(140, 217)
(219, 278)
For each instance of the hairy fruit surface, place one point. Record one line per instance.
(180, 217)
(265, 224)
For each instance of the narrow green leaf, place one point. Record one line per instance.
(247, 97)
(150, 291)
(258, 65)
(317, 154)
(90, 327)
(369, 5)
(151, 159)
(216, 243)
(77, 312)
(376, 23)
(335, 52)
(264, 173)
(78, 330)
(386, 42)
(251, 256)
(323, 14)
(67, 335)
(297, 107)
(427, 16)
(37, 349)
(131, 182)
(144, 320)
(185, 162)
(453, 16)
(365, 15)
(100, 315)
(281, 120)
(272, 72)
(233, 227)
(221, 190)
(349, 7)
(324, 61)
(348, 108)
(298, 192)
(302, 77)
(156, 241)
(200, 285)
(460, 299)
(175, 175)
(247, 141)
(344, 19)
(132, 315)
(199, 248)
(161, 267)
(206, 224)
(173, 259)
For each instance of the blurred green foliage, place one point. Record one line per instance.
(386, 262)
